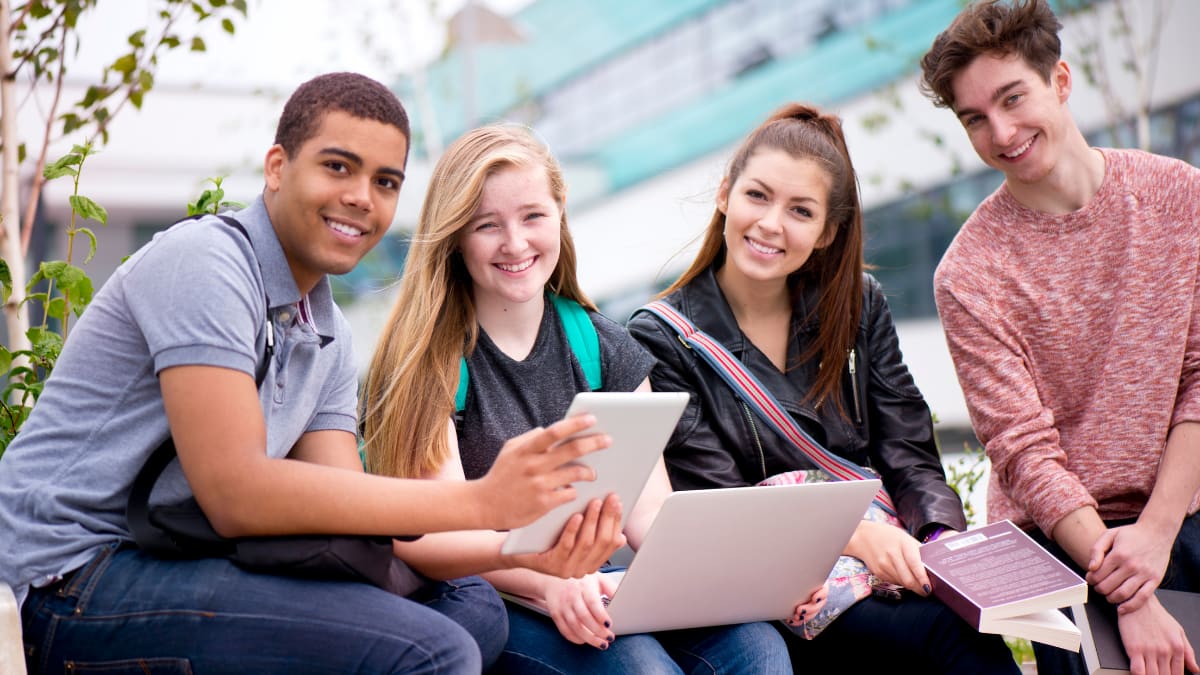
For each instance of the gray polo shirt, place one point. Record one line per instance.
(193, 296)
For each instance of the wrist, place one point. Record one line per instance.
(932, 532)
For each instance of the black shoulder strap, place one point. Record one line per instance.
(137, 509)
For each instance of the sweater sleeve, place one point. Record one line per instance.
(1018, 431)
(1187, 402)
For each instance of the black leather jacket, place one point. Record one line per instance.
(720, 442)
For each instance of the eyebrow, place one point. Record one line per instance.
(1000, 93)
(531, 206)
(357, 160)
(768, 188)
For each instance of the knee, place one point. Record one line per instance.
(761, 648)
(474, 605)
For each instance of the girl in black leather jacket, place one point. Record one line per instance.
(779, 281)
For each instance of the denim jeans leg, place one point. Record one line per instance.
(473, 604)
(128, 612)
(535, 647)
(750, 648)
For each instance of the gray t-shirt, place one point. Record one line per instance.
(506, 397)
(193, 296)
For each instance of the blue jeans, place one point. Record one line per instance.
(1183, 574)
(535, 646)
(911, 635)
(127, 612)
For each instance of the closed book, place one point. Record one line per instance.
(1103, 652)
(1001, 581)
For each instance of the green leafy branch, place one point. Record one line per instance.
(212, 201)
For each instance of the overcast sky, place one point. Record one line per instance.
(283, 42)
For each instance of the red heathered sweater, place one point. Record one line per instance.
(1077, 338)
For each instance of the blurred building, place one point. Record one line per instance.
(643, 102)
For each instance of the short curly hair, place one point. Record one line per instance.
(353, 93)
(1027, 28)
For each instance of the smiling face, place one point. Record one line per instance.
(1016, 120)
(775, 215)
(335, 198)
(511, 244)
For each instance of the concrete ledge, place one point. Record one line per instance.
(12, 651)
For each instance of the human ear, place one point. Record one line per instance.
(723, 196)
(273, 166)
(1061, 77)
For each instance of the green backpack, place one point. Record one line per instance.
(581, 334)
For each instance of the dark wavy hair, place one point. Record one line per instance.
(1027, 28)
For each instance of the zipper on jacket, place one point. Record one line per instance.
(762, 458)
(854, 387)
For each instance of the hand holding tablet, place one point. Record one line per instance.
(639, 424)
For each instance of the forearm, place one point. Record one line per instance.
(448, 555)
(519, 581)
(1177, 482)
(283, 496)
(1077, 532)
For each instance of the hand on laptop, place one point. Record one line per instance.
(807, 609)
(578, 609)
(586, 542)
(1155, 642)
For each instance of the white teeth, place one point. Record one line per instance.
(342, 228)
(519, 267)
(762, 248)
(1019, 151)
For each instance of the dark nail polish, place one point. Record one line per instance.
(608, 624)
(803, 612)
(611, 638)
(927, 589)
(604, 646)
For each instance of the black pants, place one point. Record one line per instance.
(911, 635)
(1183, 574)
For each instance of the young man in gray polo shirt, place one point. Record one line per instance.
(171, 345)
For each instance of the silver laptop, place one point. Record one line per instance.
(715, 557)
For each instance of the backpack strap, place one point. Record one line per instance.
(581, 335)
(760, 399)
(137, 508)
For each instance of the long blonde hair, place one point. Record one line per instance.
(409, 392)
(804, 131)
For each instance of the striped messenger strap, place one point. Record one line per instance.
(760, 399)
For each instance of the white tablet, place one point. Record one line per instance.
(640, 424)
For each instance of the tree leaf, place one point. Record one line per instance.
(138, 38)
(86, 208)
(227, 24)
(125, 64)
(63, 166)
(57, 308)
(5, 359)
(91, 242)
(198, 44)
(5, 283)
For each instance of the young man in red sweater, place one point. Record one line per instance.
(1071, 304)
